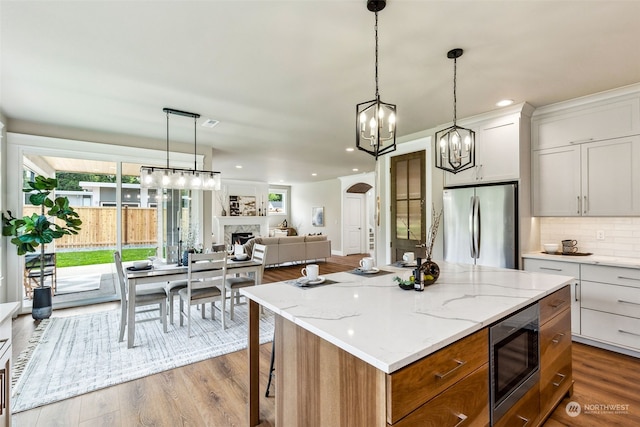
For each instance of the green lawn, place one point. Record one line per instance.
(72, 259)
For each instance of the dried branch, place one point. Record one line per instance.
(433, 232)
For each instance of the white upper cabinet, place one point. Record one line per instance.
(600, 120)
(499, 142)
(593, 179)
(586, 156)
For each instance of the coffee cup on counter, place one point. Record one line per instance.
(366, 264)
(311, 271)
(569, 246)
(408, 257)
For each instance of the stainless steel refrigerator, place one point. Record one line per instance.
(481, 225)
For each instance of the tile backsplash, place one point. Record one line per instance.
(621, 235)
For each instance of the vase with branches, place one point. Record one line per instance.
(37, 230)
(429, 269)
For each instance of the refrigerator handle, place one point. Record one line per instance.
(472, 207)
(477, 228)
(472, 204)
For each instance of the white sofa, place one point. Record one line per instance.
(292, 248)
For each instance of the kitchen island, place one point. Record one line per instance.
(354, 352)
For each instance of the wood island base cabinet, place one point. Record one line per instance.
(319, 384)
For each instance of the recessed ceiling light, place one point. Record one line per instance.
(314, 174)
(355, 169)
(209, 123)
(504, 102)
(238, 166)
(350, 149)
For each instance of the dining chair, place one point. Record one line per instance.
(233, 284)
(205, 283)
(146, 296)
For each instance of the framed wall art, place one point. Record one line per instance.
(317, 217)
(242, 205)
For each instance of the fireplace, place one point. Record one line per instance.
(241, 238)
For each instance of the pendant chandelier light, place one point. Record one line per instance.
(176, 178)
(455, 145)
(376, 120)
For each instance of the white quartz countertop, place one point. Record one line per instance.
(588, 259)
(373, 319)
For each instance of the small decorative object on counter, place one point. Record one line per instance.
(418, 285)
(430, 272)
(405, 284)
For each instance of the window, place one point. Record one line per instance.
(277, 202)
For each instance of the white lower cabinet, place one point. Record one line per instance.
(611, 305)
(563, 269)
(605, 301)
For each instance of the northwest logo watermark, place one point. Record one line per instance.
(573, 409)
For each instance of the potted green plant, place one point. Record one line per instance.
(32, 232)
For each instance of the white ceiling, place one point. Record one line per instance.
(283, 77)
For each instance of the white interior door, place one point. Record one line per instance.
(354, 220)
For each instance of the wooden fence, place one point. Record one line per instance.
(99, 227)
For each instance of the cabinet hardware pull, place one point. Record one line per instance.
(622, 331)
(460, 363)
(562, 377)
(586, 206)
(628, 278)
(557, 340)
(580, 141)
(575, 291)
(526, 421)
(549, 268)
(628, 302)
(557, 304)
(462, 417)
(579, 206)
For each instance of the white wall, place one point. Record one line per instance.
(621, 235)
(318, 194)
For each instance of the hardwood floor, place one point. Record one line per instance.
(213, 392)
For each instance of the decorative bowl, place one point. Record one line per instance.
(241, 257)
(551, 248)
(138, 265)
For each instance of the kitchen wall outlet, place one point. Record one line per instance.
(600, 235)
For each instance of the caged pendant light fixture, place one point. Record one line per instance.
(455, 145)
(176, 178)
(376, 120)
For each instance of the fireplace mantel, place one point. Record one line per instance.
(224, 225)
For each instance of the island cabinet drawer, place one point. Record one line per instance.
(555, 381)
(611, 328)
(614, 299)
(555, 303)
(555, 361)
(466, 404)
(613, 275)
(413, 385)
(524, 412)
(552, 267)
(555, 338)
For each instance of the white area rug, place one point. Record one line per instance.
(79, 354)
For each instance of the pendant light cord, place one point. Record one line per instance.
(195, 143)
(167, 140)
(455, 99)
(376, 31)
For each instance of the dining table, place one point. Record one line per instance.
(161, 272)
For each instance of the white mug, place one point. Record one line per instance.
(366, 263)
(408, 257)
(310, 271)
